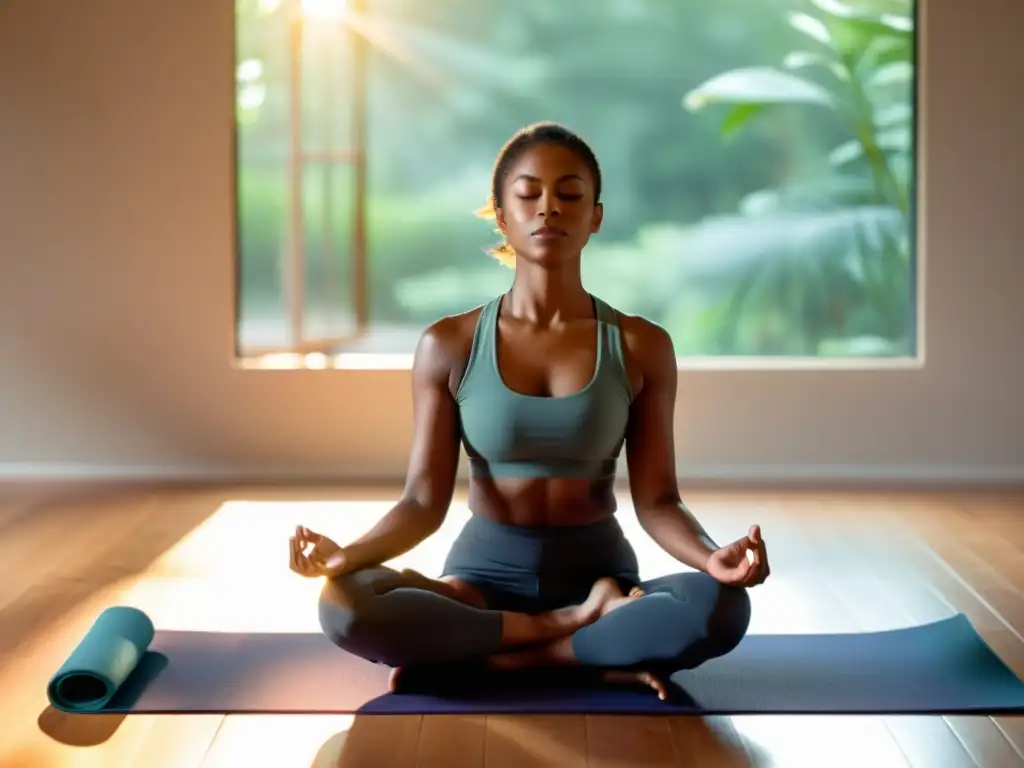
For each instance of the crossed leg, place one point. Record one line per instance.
(604, 597)
(403, 618)
(669, 623)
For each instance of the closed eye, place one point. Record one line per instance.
(563, 196)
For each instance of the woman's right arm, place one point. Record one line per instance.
(430, 479)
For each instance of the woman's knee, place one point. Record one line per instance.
(384, 621)
(354, 621)
(730, 619)
(722, 611)
(725, 609)
(341, 610)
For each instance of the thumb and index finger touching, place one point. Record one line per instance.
(752, 540)
(304, 534)
(750, 547)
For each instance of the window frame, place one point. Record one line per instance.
(320, 352)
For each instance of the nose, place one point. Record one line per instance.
(549, 205)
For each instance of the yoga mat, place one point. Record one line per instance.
(108, 654)
(938, 668)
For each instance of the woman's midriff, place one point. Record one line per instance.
(542, 501)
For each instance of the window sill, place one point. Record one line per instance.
(383, 361)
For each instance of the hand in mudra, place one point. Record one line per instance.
(733, 565)
(325, 558)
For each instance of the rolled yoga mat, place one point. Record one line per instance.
(108, 655)
(938, 668)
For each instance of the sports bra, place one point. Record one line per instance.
(508, 434)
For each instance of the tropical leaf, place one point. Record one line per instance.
(828, 192)
(862, 39)
(738, 116)
(897, 139)
(720, 251)
(846, 153)
(761, 86)
(900, 113)
(835, 8)
(884, 50)
(883, 22)
(804, 59)
(899, 73)
(828, 258)
(811, 26)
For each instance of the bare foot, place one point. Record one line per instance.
(393, 678)
(605, 596)
(620, 600)
(559, 653)
(396, 672)
(603, 593)
(637, 678)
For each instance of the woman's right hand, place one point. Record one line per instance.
(325, 558)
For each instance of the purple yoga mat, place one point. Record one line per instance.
(943, 667)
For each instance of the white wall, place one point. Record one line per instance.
(116, 289)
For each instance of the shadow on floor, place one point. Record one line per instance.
(565, 741)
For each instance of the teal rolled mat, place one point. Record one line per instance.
(102, 661)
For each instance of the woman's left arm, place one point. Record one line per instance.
(651, 456)
(650, 448)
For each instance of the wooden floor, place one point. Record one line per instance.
(216, 559)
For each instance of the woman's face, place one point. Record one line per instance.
(548, 211)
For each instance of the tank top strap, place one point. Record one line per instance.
(486, 329)
(612, 347)
(481, 351)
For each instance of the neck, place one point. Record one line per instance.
(545, 296)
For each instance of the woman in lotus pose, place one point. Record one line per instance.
(543, 385)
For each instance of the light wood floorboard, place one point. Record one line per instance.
(215, 559)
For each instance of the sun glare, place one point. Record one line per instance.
(323, 9)
(230, 574)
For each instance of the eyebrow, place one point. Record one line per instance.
(528, 177)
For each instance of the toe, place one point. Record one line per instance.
(649, 679)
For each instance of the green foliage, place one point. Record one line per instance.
(780, 227)
(841, 265)
(407, 241)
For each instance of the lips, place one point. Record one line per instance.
(546, 231)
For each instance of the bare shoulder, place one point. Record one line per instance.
(646, 343)
(443, 348)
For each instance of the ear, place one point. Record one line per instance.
(499, 218)
(595, 225)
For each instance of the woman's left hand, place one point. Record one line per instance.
(324, 559)
(732, 565)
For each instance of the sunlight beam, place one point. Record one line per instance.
(323, 10)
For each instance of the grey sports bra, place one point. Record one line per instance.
(508, 434)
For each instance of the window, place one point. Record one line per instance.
(759, 158)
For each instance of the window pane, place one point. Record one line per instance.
(261, 175)
(266, 159)
(326, 304)
(758, 162)
(327, 212)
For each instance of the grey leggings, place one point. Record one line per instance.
(683, 620)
